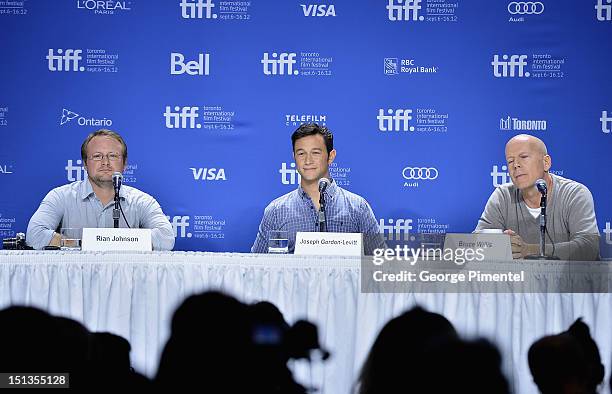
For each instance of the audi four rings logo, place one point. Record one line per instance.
(423, 173)
(526, 7)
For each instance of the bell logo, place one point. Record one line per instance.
(279, 64)
(606, 122)
(318, 10)
(499, 178)
(75, 172)
(515, 67)
(289, 176)
(179, 225)
(194, 9)
(194, 67)
(208, 174)
(65, 60)
(396, 120)
(395, 228)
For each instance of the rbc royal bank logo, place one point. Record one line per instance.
(180, 224)
(193, 67)
(391, 66)
(604, 11)
(197, 9)
(208, 174)
(606, 123)
(395, 229)
(65, 60)
(394, 120)
(289, 175)
(279, 63)
(318, 9)
(510, 66)
(404, 10)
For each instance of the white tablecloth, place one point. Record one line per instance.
(134, 295)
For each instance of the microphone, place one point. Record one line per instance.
(541, 185)
(323, 184)
(117, 181)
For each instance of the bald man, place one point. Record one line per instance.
(515, 207)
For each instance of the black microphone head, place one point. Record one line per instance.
(117, 179)
(541, 185)
(323, 184)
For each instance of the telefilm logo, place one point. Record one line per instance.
(412, 175)
(510, 123)
(519, 10)
(68, 116)
(104, 7)
(395, 66)
(208, 174)
(299, 119)
(206, 117)
(604, 10)
(311, 64)
(318, 9)
(606, 122)
(395, 229)
(178, 66)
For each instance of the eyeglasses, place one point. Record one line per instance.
(110, 156)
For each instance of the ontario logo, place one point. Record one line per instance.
(68, 116)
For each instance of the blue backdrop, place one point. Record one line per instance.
(207, 93)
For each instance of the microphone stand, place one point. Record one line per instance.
(322, 218)
(116, 210)
(542, 255)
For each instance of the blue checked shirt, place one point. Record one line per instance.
(76, 206)
(346, 212)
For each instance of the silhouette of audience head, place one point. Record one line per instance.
(396, 356)
(568, 362)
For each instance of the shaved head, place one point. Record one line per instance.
(536, 144)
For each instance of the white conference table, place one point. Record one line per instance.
(135, 294)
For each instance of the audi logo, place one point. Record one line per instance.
(423, 173)
(526, 7)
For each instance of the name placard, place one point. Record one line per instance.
(124, 239)
(491, 246)
(330, 244)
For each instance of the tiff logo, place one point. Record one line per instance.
(181, 115)
(515, 67)
(318, 9)
(194, 9)
(276, 65)
(396, 120)
(179, 225)
(289, 176)
(606, 122)
(75, 172)
(404, 10)
(194, 67)
(608, 232)
(499, 178)
(395, 228)
(65, 60)
(604, 11)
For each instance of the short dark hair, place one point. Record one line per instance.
(311, 129)
(104, 133)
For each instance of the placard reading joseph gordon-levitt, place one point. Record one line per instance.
(127, 239)
(330, 244)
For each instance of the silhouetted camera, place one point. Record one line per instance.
(17, 243)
